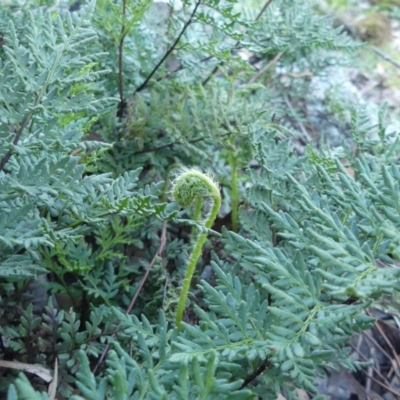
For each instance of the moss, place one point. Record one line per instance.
(375, 28)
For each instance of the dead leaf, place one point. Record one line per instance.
(32, 368)
(53, 385)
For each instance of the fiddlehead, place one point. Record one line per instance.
(189, 187)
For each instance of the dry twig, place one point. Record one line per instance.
(159, 252)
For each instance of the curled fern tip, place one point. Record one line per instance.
(192, 184)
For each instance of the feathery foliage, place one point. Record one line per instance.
(197, 84)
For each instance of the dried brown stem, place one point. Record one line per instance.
(24, 124)
(266, 68)
(214, 71)
(390, 345)
(120, 63)
(264, 366)
(158, 253)
(365, 359)
(385, 56)
(262, 11)
(171, 49)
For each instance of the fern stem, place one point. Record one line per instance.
(234, 193)
(197, 212)
(191, 186)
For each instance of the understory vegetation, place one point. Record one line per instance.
(193, 202)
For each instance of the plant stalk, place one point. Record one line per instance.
(193, 261)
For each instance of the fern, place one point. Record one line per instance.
(198, 85)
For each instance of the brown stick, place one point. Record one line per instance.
(214, 71)
(264, 69)
(159, 252)
(263, 367)
(171, 49)
(375, 370)
(388, 342)
(24, 124)
(120, 63)
(262, 11)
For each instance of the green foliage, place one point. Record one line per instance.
(47, 203)
(201, 85)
